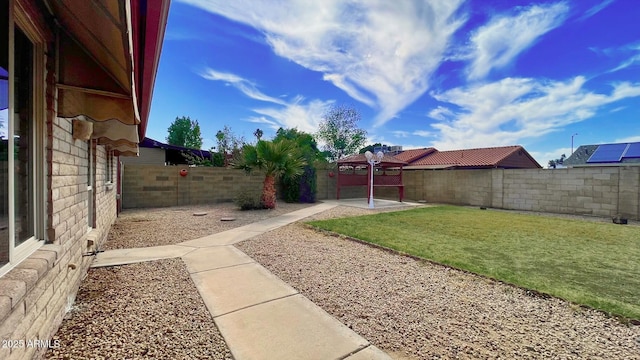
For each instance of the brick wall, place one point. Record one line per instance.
(38, 292)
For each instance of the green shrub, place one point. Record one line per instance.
(301, 189)
(247, 200)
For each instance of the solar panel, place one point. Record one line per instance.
(633, 151)
(608, 153)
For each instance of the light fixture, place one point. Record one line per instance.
(372, 160)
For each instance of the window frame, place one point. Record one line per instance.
(91, 185)
(108, 176)
(19, 19)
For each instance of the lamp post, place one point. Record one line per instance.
(372, 160)
(572, 142)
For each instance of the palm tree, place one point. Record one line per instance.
(282, 158)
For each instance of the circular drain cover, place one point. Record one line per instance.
(227, 219)
(200, 214)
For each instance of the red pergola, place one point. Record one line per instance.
(347, 174)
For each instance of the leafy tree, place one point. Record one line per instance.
(228, 144)
(301, 188)
(554, 163)
(198, 159)
(185, 132)
(369, 148)
(276, 159)
(340, 133)
(305, 141)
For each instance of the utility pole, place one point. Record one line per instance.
(572, 142)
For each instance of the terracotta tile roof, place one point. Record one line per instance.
(414, 154)
(484, 157)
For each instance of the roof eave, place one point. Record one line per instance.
(149, 20)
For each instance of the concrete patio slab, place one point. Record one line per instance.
(232, 288)
(291, 328)
(363, 203)
(370, 353)
(214, 258)
(136, 255)
(268, 225)
(228, 237)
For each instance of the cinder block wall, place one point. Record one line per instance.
(37, 293)
(160, 186)
(597, 191)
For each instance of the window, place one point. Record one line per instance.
(91, 171)
(108, 175)
(21, 139)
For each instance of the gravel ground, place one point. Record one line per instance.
(148, 310)
(417, 310)
(412, 309)
(177, 224)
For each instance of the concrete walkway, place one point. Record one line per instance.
(259, 315)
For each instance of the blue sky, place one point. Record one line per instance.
(450, 74)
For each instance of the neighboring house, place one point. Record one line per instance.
(619, 154)
(153, 152)
(505, 157)
(76, 80)
(412, 155)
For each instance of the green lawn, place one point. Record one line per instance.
(591, 263)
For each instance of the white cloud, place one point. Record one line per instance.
(628, 139)
(401, 134)
(440, 113)
(380, 53)
(498, 43)
(506, 111)
(629, 62)
(423, 133)
(595, 9)
(633, 59)
(298, 113)
(304, 116)
(245, 86)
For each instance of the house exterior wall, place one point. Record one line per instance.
(518, 160)
(147, 156)
(36, 293)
